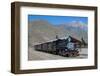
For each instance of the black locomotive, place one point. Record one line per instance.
(64, 47)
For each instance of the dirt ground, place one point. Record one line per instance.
(37, 55)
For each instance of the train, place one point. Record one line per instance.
(64, 47)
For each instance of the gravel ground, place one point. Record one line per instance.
(37, 55)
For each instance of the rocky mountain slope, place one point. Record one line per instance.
(40, 31)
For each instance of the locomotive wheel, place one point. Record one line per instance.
(67, 55)
(64, 53)
(59, 52)
(55, 53)
(70, 54)
(77, 54)
(73, 54)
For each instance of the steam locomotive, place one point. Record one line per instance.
(64, 47)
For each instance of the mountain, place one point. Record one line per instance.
(76, 25)
(78, 28)
(40, 31)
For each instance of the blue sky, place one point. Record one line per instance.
(58, 19)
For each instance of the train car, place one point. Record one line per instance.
(64, 47)
(49, 47)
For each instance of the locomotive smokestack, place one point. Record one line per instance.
(57, 37)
